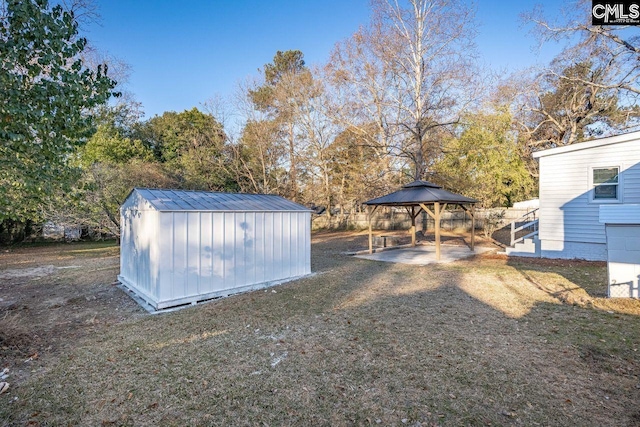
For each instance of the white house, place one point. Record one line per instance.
(575, 181)
(181, 247)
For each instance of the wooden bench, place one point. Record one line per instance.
(385, 240)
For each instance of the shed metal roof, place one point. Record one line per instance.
(418, 192)
(185, 200)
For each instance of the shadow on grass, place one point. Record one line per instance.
(576, 282)
(359, 343)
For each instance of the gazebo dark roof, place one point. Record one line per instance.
(418, 192)
(424, 196)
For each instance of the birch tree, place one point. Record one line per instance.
(412, 72)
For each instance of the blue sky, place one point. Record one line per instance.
(184, 52)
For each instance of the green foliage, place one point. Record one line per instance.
(285, 89)
(175, 150)
(46, 92)
(192, 145)
(108, 146)
(485, 162)
(288, 62)
(111, 164)
(104, 186)
(284, 65)
(282, 79)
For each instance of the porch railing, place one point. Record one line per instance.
(528, 221)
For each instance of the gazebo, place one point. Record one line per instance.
(424, 196)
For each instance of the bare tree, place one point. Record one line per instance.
(362, 102)
(613, 49)
(317, 133)
(589, 89)
(569, 106)
(412, 70)
(259, 152)
(275, 97)
(259, 158)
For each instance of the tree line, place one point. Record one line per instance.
(403, 98)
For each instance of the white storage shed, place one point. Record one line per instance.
(180, 247)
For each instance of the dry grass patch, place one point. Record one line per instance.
(486, 341)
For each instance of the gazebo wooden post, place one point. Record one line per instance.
(473, 225)
(437, 225)
(413, 226)
(436, 219)
(370, 212)
(472, 214)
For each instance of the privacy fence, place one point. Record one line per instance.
(386, 218)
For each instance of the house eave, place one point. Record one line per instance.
(601, 142)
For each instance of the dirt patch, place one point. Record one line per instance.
(45, 309)
(27, 273)
(15, 338)
(484, 341)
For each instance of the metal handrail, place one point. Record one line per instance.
(522, 227)
(526, 236)
(529, 224)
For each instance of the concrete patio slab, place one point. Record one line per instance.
(424, 254)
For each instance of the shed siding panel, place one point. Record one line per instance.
(250, 248)
(139, 249)
(166, 239)
(229, 251)
(239, 245)
(260, 248)
(180, 242)
(307, 237)
(155, 255)
(285, 261)
(142, 223)
(277, 246)
(269, 246)
(193, 254)
(218, 254)
(126, 254)
(295, 247)
(206, 255)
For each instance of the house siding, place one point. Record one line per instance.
(569, 220)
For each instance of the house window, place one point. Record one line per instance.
(605, 184)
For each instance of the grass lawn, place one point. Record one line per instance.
(484, 341)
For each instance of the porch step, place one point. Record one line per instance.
(526, 248)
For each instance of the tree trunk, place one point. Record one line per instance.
(293, 184)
